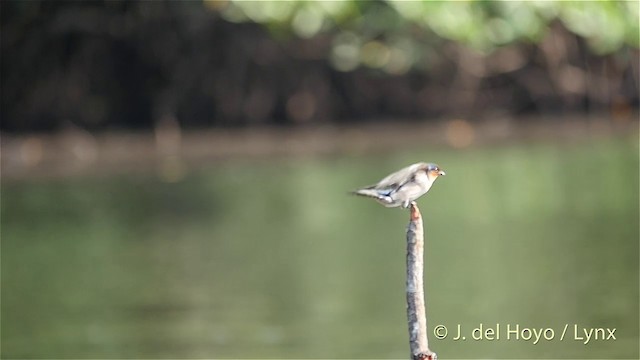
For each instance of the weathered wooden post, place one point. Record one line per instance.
(416, 312)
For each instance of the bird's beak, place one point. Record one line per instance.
(441, 172)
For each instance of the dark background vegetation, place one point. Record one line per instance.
(101, 65)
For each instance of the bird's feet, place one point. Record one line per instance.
(407, 204)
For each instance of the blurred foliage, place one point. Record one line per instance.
(113, 64)
(389, 34)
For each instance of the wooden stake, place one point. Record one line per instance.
(416, 312)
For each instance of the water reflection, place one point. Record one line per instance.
(274, 260)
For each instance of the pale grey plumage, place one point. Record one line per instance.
(403, 186)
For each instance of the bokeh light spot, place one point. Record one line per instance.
(460, 133)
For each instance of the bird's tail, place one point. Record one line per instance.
(366, 192)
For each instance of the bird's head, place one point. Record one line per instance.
(433, 171)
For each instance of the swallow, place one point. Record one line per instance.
(404, 186)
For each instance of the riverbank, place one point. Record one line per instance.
(170, 150)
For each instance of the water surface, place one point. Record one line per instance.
(274, 260)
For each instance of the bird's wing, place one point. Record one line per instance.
(398, 178)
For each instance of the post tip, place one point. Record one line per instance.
(415, 211)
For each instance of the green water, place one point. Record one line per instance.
(273, 260)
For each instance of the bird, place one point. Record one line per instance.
(404, 186)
